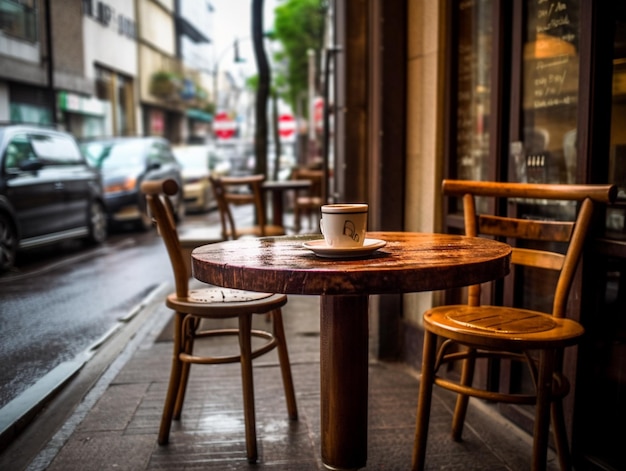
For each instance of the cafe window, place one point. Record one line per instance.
(473, 63)
(523, 102)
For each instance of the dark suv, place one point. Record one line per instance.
(48, 191)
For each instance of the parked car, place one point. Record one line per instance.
(198, 163)
(125, 162)
(48, 191)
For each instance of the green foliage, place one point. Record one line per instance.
(298, 26)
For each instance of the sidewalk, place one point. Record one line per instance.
(115, 426)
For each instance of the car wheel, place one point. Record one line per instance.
(97, 223)
(8, 243)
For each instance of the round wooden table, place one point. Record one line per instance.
(410, 262)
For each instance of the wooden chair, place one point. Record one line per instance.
(309, 203)
(469, 332)
(192, 306)
(237, 191)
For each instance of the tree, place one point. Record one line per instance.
(298, 26)
(263, 88)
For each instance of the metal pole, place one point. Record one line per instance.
(326, 123)
(50, 54)
(311, 57)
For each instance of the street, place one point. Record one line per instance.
(62, 301)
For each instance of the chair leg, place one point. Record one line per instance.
(174, 382)
(285, 365)
(190, 325)
(424, 401)
(542, 410)
(560, 436)
(462, 400)
(245, 346)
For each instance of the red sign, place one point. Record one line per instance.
(286, 125)
(318, 112)
(224, 126)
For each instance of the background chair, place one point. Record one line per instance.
(238, 191)
(309, 203)
(469, 332)
(192, 306)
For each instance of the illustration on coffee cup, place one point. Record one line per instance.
(350, 231)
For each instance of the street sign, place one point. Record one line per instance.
(224, 126)
(286, 125)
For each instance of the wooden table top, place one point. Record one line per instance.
(410, 262)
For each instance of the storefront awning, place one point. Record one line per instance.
(199, 115)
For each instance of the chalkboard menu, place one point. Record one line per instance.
(551, 54)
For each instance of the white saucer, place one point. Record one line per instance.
(320, 248)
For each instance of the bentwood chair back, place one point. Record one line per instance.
(231, 192)
(193, 306)
(469, 332)
(308, 203)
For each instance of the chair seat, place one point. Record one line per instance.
(223, 303)
(500, 327)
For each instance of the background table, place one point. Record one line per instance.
(409, 262)
(278, 189)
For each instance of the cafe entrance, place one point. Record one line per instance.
(537, 93)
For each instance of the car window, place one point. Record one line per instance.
(161, 153)
(154, 154)
(115, 155)
(195, 158)
(56, 149)
(169, 155)
(17, 152)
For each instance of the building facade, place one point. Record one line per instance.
(102, 68)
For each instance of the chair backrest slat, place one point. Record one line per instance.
(530, 229)
(537, 258)
(543, 243)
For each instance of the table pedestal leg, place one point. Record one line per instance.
(343, 369)
(277, 208)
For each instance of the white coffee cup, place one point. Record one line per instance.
(344, 225)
